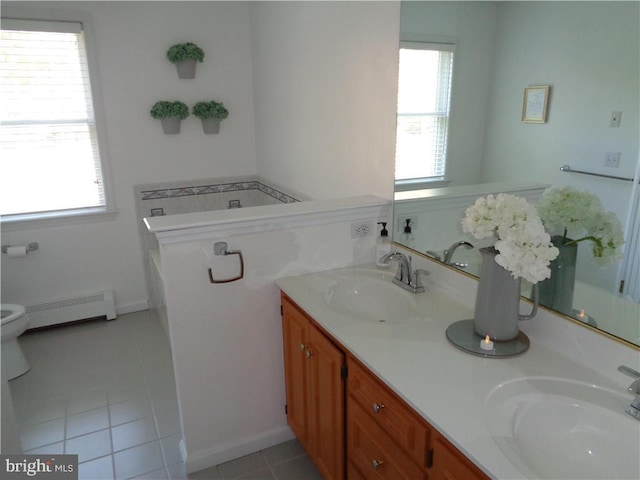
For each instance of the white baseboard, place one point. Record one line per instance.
(197, 461)
(132, 307)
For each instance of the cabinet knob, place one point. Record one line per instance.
(303, 347)
(376, 464)
(308, 354)
(377, 407)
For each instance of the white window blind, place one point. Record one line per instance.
(424, 97)
(50, 157)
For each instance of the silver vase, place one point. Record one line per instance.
(498, 301)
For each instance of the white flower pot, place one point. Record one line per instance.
(186, 68)
(210, 125)
(171, 125)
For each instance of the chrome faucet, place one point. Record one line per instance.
(634, 408)
(404, 277)
(448, 254)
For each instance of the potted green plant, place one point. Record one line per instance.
(185, 56)
(211, 113)
(170, 114)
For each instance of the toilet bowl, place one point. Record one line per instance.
(14, 322)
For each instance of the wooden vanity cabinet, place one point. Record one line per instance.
(314, 369)
(385, 437)
(450, 464)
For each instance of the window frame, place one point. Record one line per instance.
(56, 217)
(449, 44)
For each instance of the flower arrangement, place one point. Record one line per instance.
(166, 109)
(210, 109)
(569, 211)
(524, 247)
(184, 51)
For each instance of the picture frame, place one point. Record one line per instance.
(535, 103)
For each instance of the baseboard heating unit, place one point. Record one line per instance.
(71, 309)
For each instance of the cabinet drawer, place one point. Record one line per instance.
(372, 453)
(389, 412)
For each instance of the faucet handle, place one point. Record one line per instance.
(418, 278)
(629, 371)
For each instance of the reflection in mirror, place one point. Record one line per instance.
(592, 124)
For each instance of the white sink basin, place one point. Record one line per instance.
(369, 295)
(558, 428)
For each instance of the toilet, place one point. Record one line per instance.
(14, 322)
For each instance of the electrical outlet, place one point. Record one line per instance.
(361, 229)
(611, 159)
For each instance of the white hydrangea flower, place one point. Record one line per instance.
(571, 212)
(524, 246)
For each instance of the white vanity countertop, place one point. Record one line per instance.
(445, 385)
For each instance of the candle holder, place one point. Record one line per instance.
(583, 317)
(461, 334)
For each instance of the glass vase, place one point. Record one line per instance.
(557, 291)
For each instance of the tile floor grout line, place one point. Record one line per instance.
(112, 453)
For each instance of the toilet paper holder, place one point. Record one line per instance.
(31, 247)
(221, 248)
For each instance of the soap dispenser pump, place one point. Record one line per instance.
(383, 245)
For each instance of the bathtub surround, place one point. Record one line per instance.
(190, 196)
(220, 333)
(170, 198)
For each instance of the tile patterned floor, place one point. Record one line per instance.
(105, 391)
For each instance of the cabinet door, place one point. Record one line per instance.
(327, 400)
(295, 328)
(450, 464)
(314, 391)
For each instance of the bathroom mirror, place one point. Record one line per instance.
(587, 54)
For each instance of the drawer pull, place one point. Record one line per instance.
(377, 407)
(308, 354)
(302, 347)
(376, 464)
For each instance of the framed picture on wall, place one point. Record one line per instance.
(534, 105)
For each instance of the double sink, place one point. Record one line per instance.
(547, 427)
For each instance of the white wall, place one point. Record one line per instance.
(589, 53)
(132, 39)
(227, 338)
(325, 81)
(471, 26)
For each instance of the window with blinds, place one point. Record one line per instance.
(424, 98)
(50, 160)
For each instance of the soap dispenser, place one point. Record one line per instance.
(383, 245)
(408, 236)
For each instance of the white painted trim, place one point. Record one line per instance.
(462, 197)
(139, 306)
(201, 225)
(239, 448)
